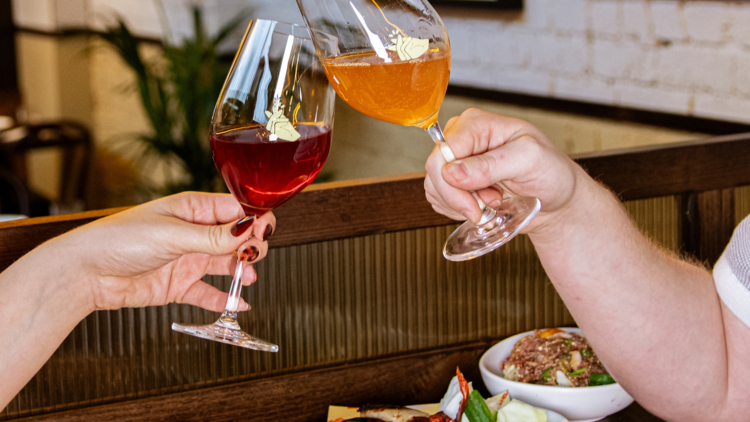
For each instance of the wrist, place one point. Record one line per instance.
(58, 268)
(588, 198)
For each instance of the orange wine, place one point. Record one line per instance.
(406, 93)
(263, 174)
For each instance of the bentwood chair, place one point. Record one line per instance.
(74, 142)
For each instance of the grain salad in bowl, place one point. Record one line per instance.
(539, 360)
(555, 357)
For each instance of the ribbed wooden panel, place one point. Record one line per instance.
(659, 219)
(323, 303)
(741, 203)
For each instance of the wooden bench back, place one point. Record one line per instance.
(355, 274)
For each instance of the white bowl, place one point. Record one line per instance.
(582, 404)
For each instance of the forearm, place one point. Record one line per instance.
(654, 320)
(41, 301)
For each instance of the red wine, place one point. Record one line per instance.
(263, 174)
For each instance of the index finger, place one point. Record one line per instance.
(477, 131)
(202, 208)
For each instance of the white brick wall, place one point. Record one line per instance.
(739, 31)
(708, 21)
(635, 22)
(605, 18)
(689, 58)
(569, 15)
(667, 19)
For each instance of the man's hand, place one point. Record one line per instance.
(492, 149)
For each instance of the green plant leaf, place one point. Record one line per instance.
(178, 98)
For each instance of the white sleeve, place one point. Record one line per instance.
(732, 273)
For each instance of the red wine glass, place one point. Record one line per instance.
(270, 135)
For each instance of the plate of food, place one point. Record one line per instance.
(460, 403)
(554, 369)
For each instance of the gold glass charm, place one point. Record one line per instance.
(279, 125)
(408, 48)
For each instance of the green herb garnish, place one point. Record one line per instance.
(601, 379)
(578, 372)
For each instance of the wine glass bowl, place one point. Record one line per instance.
(270, 135)
(392, 62)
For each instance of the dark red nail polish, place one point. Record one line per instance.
(241, 226)
(248, 254)
(253, 254)
(268, 232)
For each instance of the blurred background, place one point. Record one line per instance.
(105, 103)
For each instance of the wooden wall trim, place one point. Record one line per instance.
(646, 172)
(353, 208)
(20, 236)
(304, 396)
(413, 378)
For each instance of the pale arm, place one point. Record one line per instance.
(656, 321)
(153, 254)
(40, 303)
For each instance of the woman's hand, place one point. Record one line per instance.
(158, 252)
(152, 254)
(492, 149)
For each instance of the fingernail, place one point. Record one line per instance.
(253, 254)
(241, 226)
(457, 170)
(496, 203)
(467, 214)
(248, 254)
(245, 305)
(268, 232)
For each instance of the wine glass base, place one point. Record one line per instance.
(234, 336)
(473, 240)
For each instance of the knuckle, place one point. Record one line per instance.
(486, 162)
(533, 148)
(216, 237)
(471, 112)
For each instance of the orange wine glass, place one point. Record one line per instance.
(392, 62)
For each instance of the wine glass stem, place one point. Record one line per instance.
(229, 317)
(436, 133)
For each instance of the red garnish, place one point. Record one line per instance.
(464, 392)
(440, 417)
(505, 396)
